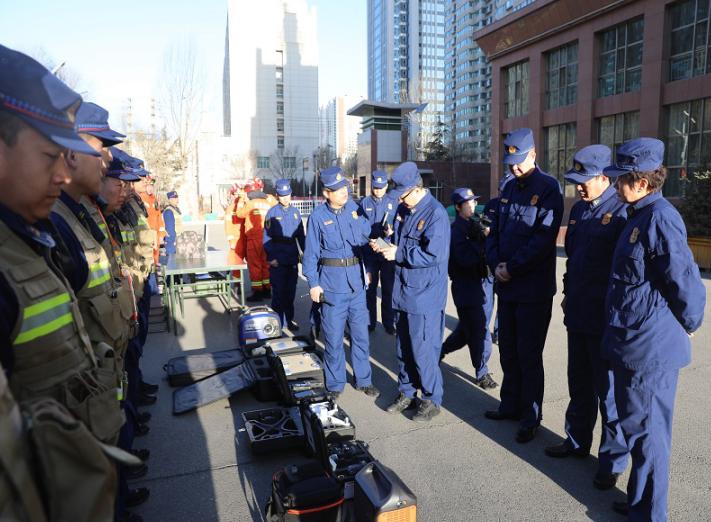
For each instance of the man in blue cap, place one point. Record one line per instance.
(44, 349)
(283, 243)
(173, 222)
(594, 226)
(379, 210)
(655, 302)
(420, 250)
(333, 266)
(471, 289)
(521, 251)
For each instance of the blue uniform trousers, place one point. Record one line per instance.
(344, 308)
(419, 343)
(645, 404)
(590, 384)
(473, 330)
(383, 271)
(522, 335)
(283, 279)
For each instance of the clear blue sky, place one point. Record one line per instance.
(116, 49)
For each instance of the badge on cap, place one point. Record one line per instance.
(470, 193)
(511, 149)
(607, 218)
(354, 214)
(534, 199)
(578, 166)
(634, 235)
(420, 224)
(338, 177)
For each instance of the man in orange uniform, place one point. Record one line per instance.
(155, 216)
(253, 210)
(234, 226)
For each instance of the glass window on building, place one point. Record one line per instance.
(615, 129)
(688, 143)
(289, 162)
(263, 162)
(280, 107)
(562, 76)
(280, 142)
(689, 39)
(558, 151)
(516, 90)
(280, 125)
(621, 58)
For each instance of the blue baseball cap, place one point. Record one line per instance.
(172, 194)
(517, 145)
(460, 195)
(138, 166)
(332, 178)
(405, 177)
(41, 100)
(94, 120)
(588, 163)
(638, 155)
(120, 167)
(379, 179)
(283, 187)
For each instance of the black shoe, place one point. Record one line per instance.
(566, 449)
(129, 517)
(137, 496)
(605, 481)
(148, 388)
(143, 454)
(134, 473)
(146, 400)
(370, 390)
(525, 435)
(333, 395)
(621, 507)
(426, 410)
(486, 382)
(400, 404)
(293, 326)
(314, 333)
(371, 327)
(498, 415)
(143, 417)
(390, 330)
(256, 296)
(141, 430)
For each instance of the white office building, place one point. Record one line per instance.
(270, 85)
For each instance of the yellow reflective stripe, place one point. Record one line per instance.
(44, 329)
(102, 226)
(99, 274)
(45, 305)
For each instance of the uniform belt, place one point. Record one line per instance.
(346, 261)
(284, 240)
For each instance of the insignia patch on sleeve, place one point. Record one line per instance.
(354, 214)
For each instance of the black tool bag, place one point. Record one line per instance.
(213, 388)
(187, 369)
(304, 493)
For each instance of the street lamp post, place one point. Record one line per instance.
(304, 168)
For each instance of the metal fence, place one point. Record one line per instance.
(305, 206)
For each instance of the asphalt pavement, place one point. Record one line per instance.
(461, 465)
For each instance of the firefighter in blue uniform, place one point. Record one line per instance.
(595, 223)
(283, 228)
(420, 250)
(521, 251)
(333, 266)
(472, 291)
(655, 302)
(173, 222)
(379, 209)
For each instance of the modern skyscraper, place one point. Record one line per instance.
(270, 83)
(406, 56)
(339, 132)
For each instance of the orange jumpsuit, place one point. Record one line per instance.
(234, 232)
(254, 212)
(155, 220)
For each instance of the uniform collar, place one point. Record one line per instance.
(36, 233)
(644, 202)
(606, 194)
(423, 203)
(81, 214)
(336, 211)
(522, 183)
